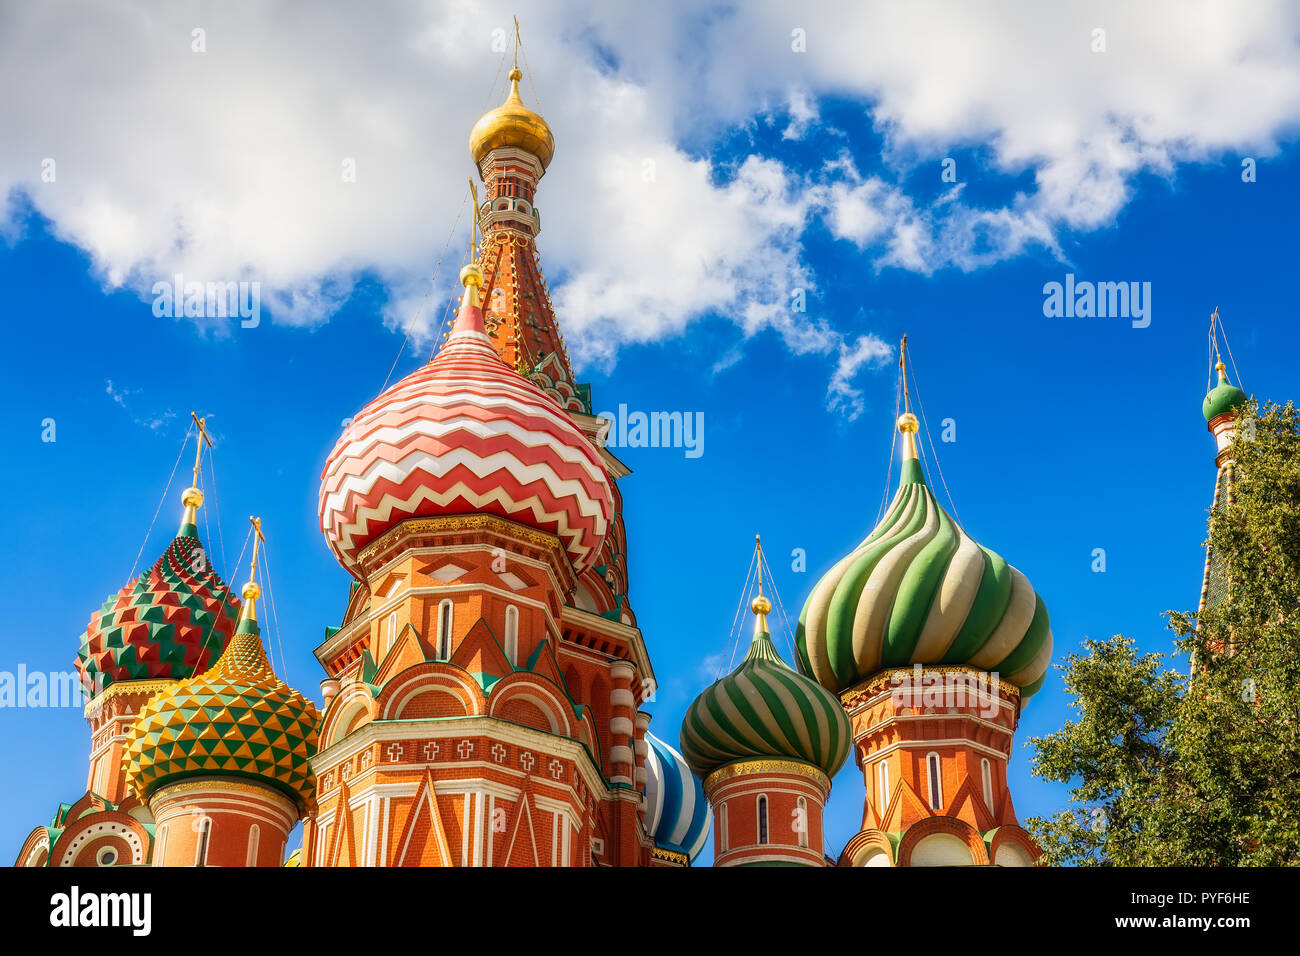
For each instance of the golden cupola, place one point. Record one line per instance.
(512, 124)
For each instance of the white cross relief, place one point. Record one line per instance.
(394, 752)
(526, 760)
(498, 753)
(556, 768)
(431, 750)
(346, 772)
(327, 782)
(465, 748)
(366, 759)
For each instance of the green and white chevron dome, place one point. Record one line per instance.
(765, 708)
(920, 590)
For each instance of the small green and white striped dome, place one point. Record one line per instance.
(920, 590)
(765, 708)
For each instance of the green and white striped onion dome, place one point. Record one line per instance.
(765, 708)
(919, 590)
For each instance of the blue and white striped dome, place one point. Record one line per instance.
(676, 813)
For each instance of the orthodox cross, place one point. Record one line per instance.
(257, 536)
(201, 424)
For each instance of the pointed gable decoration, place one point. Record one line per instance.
(424, 838)
(906, 805)
(521, 848)
(481, 653)
(543, 662)
(342, 850)
(408, 650)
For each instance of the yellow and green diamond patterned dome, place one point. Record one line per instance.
(237, 718)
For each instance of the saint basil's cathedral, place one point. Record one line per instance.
(483, 691)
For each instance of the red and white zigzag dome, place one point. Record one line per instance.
(465, 434)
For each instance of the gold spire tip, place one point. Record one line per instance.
(192, 497)
(471, 277)
(760, 605)
(251, 592)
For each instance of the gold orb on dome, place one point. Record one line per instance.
(472, 275)
(512, 124)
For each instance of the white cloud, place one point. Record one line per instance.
(227, 164)
(154, 421)
(803, 114)
(867, 351)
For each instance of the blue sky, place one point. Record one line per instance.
(1072, 434)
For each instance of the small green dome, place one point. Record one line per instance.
(765, 708)
(1223, 399)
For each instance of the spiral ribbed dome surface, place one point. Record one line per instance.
(765, 708)
(920, 590)
(676, 812)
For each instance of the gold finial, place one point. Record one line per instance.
(192, 497)
(760, 605)
(512, 124)
(471, 277)
(907, 422)
(251, 591)
(1214, 343)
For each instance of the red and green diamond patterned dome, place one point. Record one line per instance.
(171, 621)
(465, 434)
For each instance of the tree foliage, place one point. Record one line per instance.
(1202, 771)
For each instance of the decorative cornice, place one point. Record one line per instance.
(478, 725)
(459, 524)
(865, 690)
(120, 688)
(217, 782)
(670, 856)
(743, 768)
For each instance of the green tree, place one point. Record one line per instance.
(1167, 770)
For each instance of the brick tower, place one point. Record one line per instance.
(483, 688)
(766, 742)
(933, 643)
